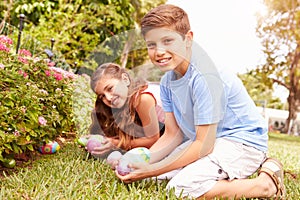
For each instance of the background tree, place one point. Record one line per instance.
(86, 32)
(261, 92)
(141, 8)
(279, 31)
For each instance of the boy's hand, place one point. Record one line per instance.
(140, 171)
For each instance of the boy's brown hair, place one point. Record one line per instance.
(168, 16)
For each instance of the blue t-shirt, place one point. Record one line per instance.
(205, 96)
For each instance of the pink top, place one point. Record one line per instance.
(154, 90)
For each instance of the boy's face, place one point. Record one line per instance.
(168, 50)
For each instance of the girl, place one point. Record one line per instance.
(126, 111)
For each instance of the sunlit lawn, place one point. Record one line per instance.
(69, 174)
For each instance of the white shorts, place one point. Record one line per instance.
(229, 160)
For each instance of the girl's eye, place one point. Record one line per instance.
(110, 88)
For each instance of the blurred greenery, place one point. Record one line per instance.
(85, 32)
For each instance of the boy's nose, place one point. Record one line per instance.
(160, 51)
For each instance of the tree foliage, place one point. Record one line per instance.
(279, 31)
(85, 32)
(260, 93)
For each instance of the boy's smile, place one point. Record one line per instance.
(168, 49)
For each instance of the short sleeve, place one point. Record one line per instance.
(165, 95)
(209, 99)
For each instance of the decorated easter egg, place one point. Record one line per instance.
(49, 148)
(9, 162)
(123, 168)
(136, 155)
(113, 156)
(94, 141)
(82, 141)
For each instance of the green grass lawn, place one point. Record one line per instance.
(69, 175)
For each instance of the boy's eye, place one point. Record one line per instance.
(168, 41)
(151, 45)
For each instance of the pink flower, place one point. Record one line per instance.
(36, 59)
(5, 40)
(2, 66)
(5, 43)
(58, 76)
(48, 73)
(25, 75)
(16, 133)
(24, 52)
(51, 64)
(3, 48)
(65, 74)
(23, 60)
(23, 109)
(42, 121)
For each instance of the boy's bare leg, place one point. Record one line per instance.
(261, 186)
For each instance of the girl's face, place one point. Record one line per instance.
(112, 91)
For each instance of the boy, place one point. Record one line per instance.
(214, 136)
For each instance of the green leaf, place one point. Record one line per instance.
(30, 147)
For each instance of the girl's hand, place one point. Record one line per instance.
(105, 148)
(114, 141)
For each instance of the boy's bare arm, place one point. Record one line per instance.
(202, 146)
(199, 148)
(171, 138)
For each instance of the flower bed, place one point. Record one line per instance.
(35, 100)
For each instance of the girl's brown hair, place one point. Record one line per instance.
(168, 16)
(122, 123)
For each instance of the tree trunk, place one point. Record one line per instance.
(6, 15)
(289, 128)
(294, 94)
(127, 48)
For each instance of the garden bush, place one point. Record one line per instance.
(83, 103)
(35, 100)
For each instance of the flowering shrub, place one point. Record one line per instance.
(35, 101)
(83, 104)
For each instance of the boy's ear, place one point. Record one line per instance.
(189, 38)
(125, 79)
